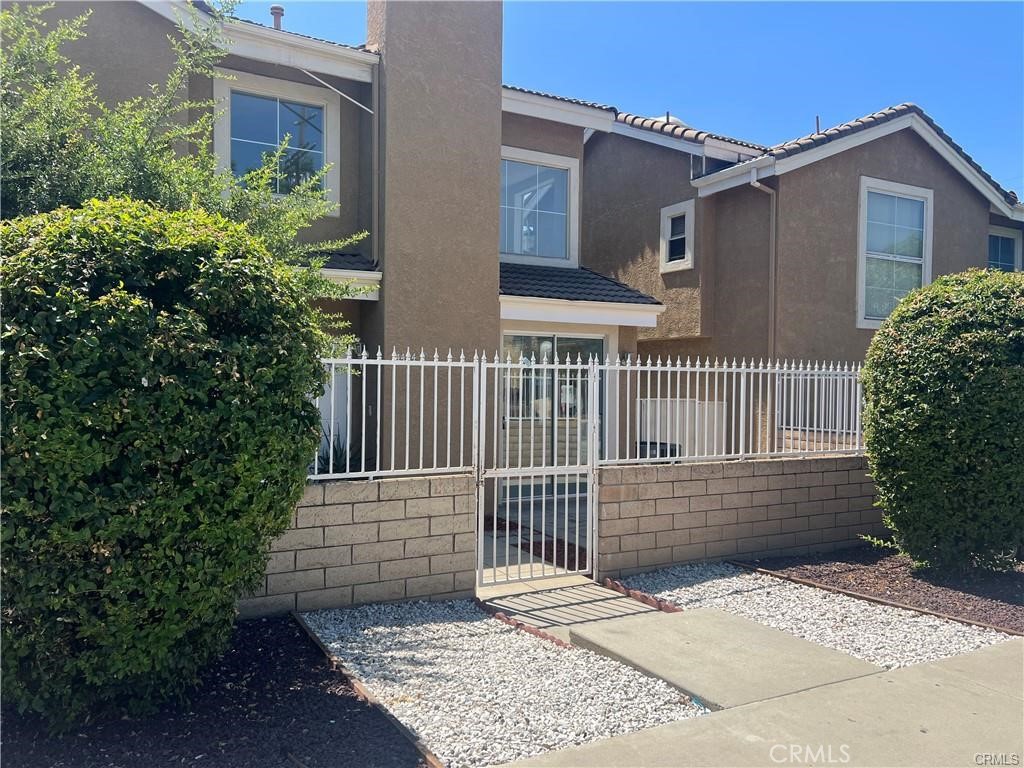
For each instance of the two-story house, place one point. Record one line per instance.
(507, 219)
(799, 250)
(471, 192)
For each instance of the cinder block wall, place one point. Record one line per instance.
(656, 516)
(359, 541)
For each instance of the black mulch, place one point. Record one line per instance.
(271, 702)
(981, 596)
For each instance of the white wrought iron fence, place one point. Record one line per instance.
(411, 414)
(664, 411)
(406, 414)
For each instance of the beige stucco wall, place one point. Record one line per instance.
(818, 220)
(440, 108)
(650, 517)
(364, 541)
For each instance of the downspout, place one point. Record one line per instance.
(772, 269)
(377, 189)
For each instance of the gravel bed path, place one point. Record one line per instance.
(479, 692)
(889, 637)
(985, 596)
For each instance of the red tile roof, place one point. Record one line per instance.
(679, 131)
(790, 148)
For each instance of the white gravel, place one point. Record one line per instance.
(889, 637)
(479, 692)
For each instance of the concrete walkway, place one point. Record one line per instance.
(721, 659)
(561, 604)
(951, 712)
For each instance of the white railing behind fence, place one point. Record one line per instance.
(663, 411)
(411, 414)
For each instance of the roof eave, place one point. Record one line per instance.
(556, 110)
(735, 176)
(366, 281)
(273, 46)
(529, 308)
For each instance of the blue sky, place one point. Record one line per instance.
(761, 71)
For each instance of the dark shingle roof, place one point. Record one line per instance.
(578, 102)
(679, 131)
(356, 261)
(567, 284)
(790, 148)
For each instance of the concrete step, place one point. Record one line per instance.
(721, 659)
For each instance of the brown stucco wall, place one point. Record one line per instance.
(126, 49)
(818, 215)
(541, 135)
(626, 184)
(440, 108)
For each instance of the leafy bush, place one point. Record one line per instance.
(157, 371)
(944, 420)
(61, 145)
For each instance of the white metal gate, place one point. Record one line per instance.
(538, 443)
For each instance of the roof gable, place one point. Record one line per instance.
(797, 153)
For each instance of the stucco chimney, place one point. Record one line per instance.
(277, 11)
(440, 173)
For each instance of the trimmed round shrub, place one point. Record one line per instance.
(944, 420)
(157, 428)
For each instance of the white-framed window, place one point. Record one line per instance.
(255, 113)
(894, 246)
(539, 207)
(1004, 249)
(677, 236)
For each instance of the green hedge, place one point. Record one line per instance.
(944, 420)
(156, 433)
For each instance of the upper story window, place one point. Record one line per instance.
(1004, 249)
(255, 113)
(539, 207)
(895, 246)
(677, 236)
(259, 124)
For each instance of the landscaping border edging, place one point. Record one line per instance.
(647, 599)
(337, 665)
(528, 628)
(871, 598)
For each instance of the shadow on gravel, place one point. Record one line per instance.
(271, 702)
